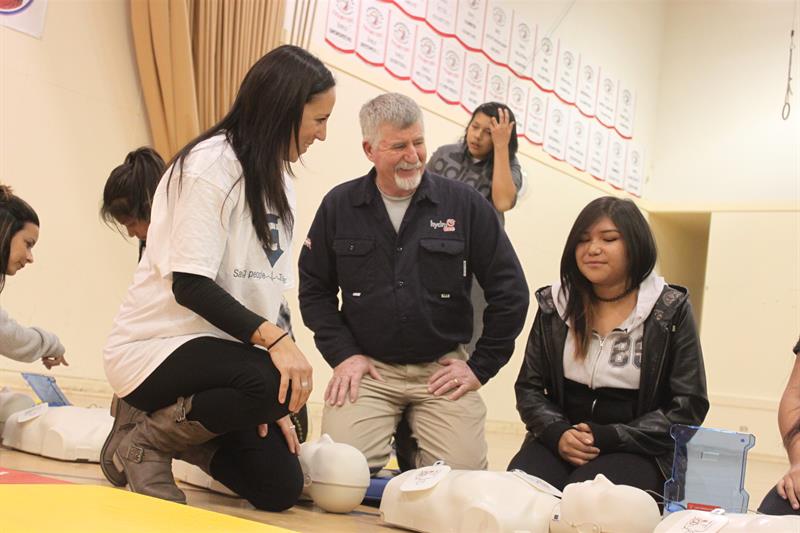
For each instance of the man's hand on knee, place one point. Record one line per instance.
(455, 376)
(347, 377)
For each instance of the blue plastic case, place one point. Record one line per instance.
(46, 389)
(708, 470)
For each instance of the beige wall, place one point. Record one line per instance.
(71, 108)
(682, 240)
(721, 140)
(751, 319)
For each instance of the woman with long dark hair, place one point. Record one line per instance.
(195, 345)
(19, 231)
(127, 202)
(613, 359)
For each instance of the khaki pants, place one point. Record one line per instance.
(452, 431)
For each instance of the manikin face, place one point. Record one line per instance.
(601, 254)
(599, 506)
(399, 157)
(21, 252)
(314, 124)
(136, 227)
(479, 136)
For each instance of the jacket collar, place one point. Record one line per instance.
(670, 300)
(366, 190)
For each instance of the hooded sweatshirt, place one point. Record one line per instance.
(616, 360)
(602, 388)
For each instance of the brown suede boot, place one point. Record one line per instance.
(146, 452)
(125, 417)
(200, 455)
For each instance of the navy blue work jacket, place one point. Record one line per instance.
(405, 295)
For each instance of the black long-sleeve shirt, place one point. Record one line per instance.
(406, 295)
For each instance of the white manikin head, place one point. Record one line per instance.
(10, 403)
(336, 475)
(599, 506)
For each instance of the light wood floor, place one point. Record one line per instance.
(504, 440)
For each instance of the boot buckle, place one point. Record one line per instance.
(135, 454)
(180, 411)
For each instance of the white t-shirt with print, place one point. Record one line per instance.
(204, 227)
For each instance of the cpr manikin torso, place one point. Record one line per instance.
(704, 522)
(513, 502)
(68, 433)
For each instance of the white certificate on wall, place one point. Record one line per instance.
(474, 88)
(588, 81)
(373, 31)
(577, 139)
(626, 109)
(607, 99)
(497, 84)
(442, 16)
(451, 71)
(544, 63)
(598, 150)
(523, 39)
(566, 85)
(400, 47)
(470, 20)
(535, 115)
(415, 8)
(556, 128)
(426, 59)
(615, 169)
(497, 33)
(341, 27)
(518, 101)
(634, 169)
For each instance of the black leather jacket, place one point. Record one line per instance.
(672, 388)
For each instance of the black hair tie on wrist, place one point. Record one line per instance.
(276, 341)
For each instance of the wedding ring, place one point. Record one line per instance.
(291, 427)
(455, 380)
(304, 384)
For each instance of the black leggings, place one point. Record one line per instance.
(621, 468)
(235, 388)
(773, 504)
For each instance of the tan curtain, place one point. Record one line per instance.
(192, 55)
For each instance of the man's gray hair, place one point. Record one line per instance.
(395, 109)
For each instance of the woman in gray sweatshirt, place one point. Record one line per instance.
(19, 231)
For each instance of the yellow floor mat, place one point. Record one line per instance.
(94, 509)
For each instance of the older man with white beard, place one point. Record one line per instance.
(402, 246)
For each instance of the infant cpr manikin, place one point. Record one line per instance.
(336, 475)
(437, 499)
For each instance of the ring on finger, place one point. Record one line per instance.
(456, 381)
